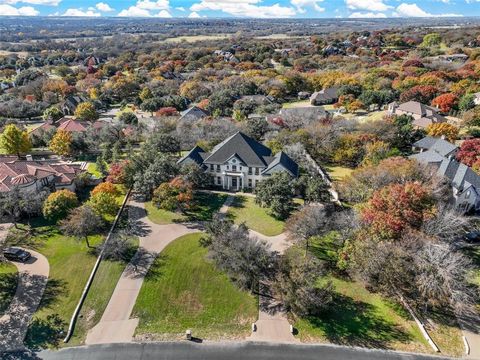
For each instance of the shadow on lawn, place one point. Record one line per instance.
(205, 206)
(43, 333)
(355, 323)
(8, 285)
(54, 289)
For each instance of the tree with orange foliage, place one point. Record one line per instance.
(174, 195)
(445, 102)
(443, 129)
(397, 207)
(116, 174)
(106, 187)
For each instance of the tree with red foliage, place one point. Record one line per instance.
(397, 207)
(469, 152)
(116, 174)
(445, 102)
(167, 111)
(420, 93)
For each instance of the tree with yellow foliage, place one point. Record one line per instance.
(15, 141)
(443, 129)
(61, 143)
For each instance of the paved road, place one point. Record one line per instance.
(222, 351)
(33, 276)
(116, 325)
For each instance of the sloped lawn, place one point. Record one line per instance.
(361, 318)
(70, 265)
(183, 290)
(244, 209)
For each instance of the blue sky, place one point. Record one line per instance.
(242, 8)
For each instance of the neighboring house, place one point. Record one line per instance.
(324, 97)
(68, 124)
(303, 95)
(439, 145)
(71, 102)
(440, 154)
(31, 175)
(240, 162)
(476, 98)
(193, 114)
(423, 115)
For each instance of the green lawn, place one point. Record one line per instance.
(92, 169)
(296, 104)
(338, 173)
(361, 318)
(255, 217)
(205, 205)
(8, 284)
(184, 291)
(98, 297)
(70, 265)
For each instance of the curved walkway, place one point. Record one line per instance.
(33, 276)
(272, 324)
(115, 326)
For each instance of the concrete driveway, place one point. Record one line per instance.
(116, 325)
(33, 276)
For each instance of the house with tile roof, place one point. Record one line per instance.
(423, 115)
(240, 162)
(69, 125)
(440, 155)
(32, 175)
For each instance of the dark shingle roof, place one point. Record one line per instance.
(194, 113)
(429, 157)
(197, 154)
(249, 150)
(439, 145)
(284, 160)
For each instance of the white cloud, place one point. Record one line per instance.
(9, 10)
(153, 5)
(194, 15)
(413, 10)
(33, 2)
(164, 14)
(80, 12)
(134, 11)
(245, 8)
(103, 7)
(366, 15)
(301, 4)
(370, 5)
(143, 7)
(181, 8)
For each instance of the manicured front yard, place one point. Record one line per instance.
(244, 209)
(103, 285)
(8, 285)
(70, 264)
(361, 318)
(183, 290)
(205, 205)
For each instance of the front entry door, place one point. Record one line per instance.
(234, 183)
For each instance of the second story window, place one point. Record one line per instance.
(218, 168)
(257, 171)
(234, 167)
(211, 167)
(250, 171)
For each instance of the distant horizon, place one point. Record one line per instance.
(266, 9)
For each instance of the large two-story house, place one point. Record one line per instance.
(440, 155)
(240, 162)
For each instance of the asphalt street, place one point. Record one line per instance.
(220, 351)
